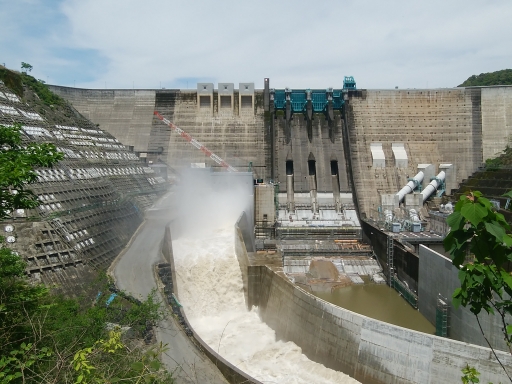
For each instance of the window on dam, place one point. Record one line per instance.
(204, 101)
(225, 101)
(312, 167)
(246, 101)
(289, 167)
(334, 167)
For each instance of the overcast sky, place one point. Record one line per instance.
(298, 44)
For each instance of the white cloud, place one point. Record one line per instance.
(300, 44)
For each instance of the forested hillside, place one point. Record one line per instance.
(503, 77)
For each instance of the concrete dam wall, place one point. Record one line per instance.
(125, 114)
(234, 134)
(369, 350)
(459, 126)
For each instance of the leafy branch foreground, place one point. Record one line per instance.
(480, 245)
(46, 338)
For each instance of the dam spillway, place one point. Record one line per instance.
(211, 291)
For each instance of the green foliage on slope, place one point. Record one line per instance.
(502, 161)
(41, 90)
(503, 77)
(12, 80)
(45, 338)
(15, 81)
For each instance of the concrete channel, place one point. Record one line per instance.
(134, 273)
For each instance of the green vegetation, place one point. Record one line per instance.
(51, 339)
(15, 82)
(479, 243)
(503, 77)
(42, 91)
(502, 161)
(17, 161)
(26, 67)
(470, 375)
(12, 80)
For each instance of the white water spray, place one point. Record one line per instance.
(210, 288)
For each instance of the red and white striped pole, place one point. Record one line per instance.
(196, 143)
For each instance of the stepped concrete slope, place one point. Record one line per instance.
(91, 202)
(125, 114)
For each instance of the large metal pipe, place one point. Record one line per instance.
(290, 194)
(312, 184)
(336, 192)
(413, 215)
(335, 179)
(313, 194)
(434, 184)
(410, 186)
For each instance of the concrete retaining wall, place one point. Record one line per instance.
(438, 276)
(496, 120)
(232, 374)
(369, 350)
(127, 114)
(405, 263)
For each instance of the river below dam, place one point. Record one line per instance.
(380, 302)
(210, 288)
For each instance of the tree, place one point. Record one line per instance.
(480, 245)
(26, 67)
(17, 162)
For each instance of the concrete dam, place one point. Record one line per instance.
(327, 166)
(388, 132)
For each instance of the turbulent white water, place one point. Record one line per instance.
(211, 291)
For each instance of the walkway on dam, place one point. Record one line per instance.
(134, 273)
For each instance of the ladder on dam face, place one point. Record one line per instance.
(441, 318)
(390, 260)
(196, 143)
